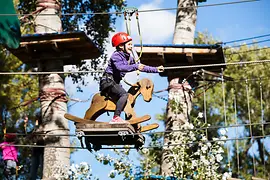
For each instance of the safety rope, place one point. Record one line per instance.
(158, 132)
(128, 12)
(147, 147)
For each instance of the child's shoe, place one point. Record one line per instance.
(118, 120)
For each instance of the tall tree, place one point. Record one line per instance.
(183, 34)
(56, 160)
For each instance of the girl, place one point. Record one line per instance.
(10, 158)
(120, 63)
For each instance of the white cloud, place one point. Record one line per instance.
(156, 27)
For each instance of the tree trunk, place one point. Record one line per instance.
(184, 34)
(53, 98)
(185, 22)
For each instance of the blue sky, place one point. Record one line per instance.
(225, 23)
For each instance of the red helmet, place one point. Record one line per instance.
(120, 38)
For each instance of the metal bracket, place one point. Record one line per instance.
(80, 134)
(130, 10)
(123, 134)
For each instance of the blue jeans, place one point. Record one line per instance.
(10, 170)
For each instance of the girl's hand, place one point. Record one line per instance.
(160, 68)
(140, 67)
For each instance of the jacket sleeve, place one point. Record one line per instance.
(150, 69)
(147, 69)
(121, 66)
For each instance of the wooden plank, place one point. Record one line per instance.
(190, 58)
(50, 41)
(149, 127)
(33, 48)
(104, 128)
(173, 50)
(76, 119)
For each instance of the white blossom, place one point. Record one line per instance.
(200, 115)
(226, 175)
(219, 157)
(204, 148)
(223, 131)
(112, 173)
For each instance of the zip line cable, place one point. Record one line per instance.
(51, 72)
(246, 51)
(239, 40)
(166, 68)
(256, 42)
(218, 64)
(143, 11)
(146, 133)
(146, 147)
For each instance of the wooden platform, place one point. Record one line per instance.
(71, 47)
(111, 134)
(182, 55)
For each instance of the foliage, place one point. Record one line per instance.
(80, 172)
(194, 156)
(16, 89)
(121, 163)
(246, 101)
(96, 26)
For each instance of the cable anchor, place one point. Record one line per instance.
(130, 11)
(123, 134)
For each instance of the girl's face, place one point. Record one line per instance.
(127, 47)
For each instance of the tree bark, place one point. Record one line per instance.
(53, 99)
(183, 34)
(185, 22)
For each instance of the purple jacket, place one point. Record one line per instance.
(120, 63)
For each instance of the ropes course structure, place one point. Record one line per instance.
(232, 123)
(227, 121)
(238, 121)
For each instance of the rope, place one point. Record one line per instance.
(146, 147)
(147, 133)
(250, 128)
(218, 64)
(166, 68)
(237, 142)
(246, 51)
(263, 133)
(204, 107)
(256, 42)
(53, 94)
(128, 12)
(142, 11)
(239, 40)
(50, 72)
(225, 116)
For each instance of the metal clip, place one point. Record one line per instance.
(130, 10)
(80, 134)
(123, 134)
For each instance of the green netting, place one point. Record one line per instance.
(10, 33)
